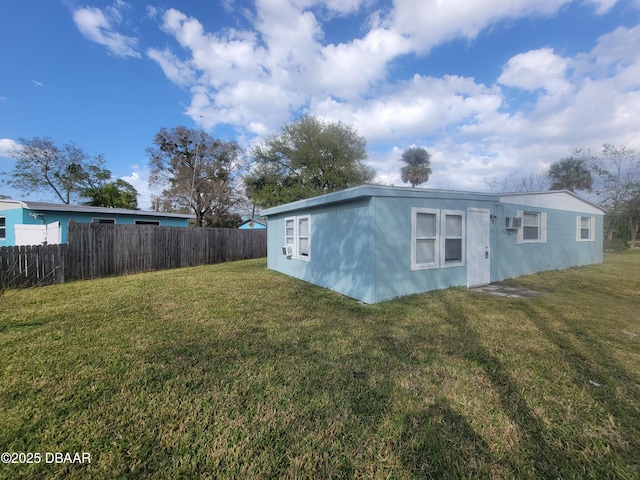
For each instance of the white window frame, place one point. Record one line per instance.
(290, 239)
(99, 220)
(294, 239)
(542, 227)
(579, 228)
(414, 239)
(3, 228)
(443, 229)
(299, 237)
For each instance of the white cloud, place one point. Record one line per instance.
(7, 145)
(350, 70)
(436, 22)
(537, 69)
(423, 107)
(603, 6)
(99, 27)
(139, 178)
(542, 105)
(176, 70)
(587, 100)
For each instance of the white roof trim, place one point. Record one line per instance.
(553, 200)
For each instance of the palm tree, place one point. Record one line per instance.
(570, 174)
(417, 169)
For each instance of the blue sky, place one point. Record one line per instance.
(492, 88)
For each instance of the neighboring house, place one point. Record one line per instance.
(33, 223)
(375, 243)
(252, 223)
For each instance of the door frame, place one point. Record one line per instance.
(485, 267)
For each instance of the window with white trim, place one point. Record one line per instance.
(531, 226)
(424, 238)
(290, 231)
(437, 238)
(534, 227)
(304, 238)
(297, 233)
(3, 228)
(453, 235)
(103, 220)
(585, 228)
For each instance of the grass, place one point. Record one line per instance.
(234, 371)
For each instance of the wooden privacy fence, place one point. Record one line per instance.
(31, 266)
(101, 250)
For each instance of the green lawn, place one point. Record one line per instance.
(235, 371)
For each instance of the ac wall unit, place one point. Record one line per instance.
(287, 250)
(512, 223)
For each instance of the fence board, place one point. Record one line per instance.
(99, 250)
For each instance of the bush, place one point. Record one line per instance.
(615, 245)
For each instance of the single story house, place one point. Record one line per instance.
(374, 243)
(34, 223)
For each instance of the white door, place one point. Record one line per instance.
(478, 247)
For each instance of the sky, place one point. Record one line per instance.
(491, 88)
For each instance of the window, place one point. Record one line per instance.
(147, 222)
(531, 226)
(453, 235)
(3, 228)
(290, 231)
(297, 233)
(437, 238)
(303, 238)
(534, 227)
(103, 220)
(585, 229)
(424, 229)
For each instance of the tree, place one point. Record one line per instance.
(117, 194)
(308, 157)
(618, 173)
(512, 182)
(198, 174)
(417, 168)
(630, 211)
(43, 166)
(570, 174)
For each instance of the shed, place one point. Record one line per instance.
(374, 243)
(33, 223)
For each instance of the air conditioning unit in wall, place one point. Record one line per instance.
(287, 250)
(512, 223)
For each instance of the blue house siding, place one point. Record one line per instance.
(37, 213)
(561, 249)
(361, 238)
(12, 217)
(339, 244)
(394, 276)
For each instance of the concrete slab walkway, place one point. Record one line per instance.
(511, 292)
